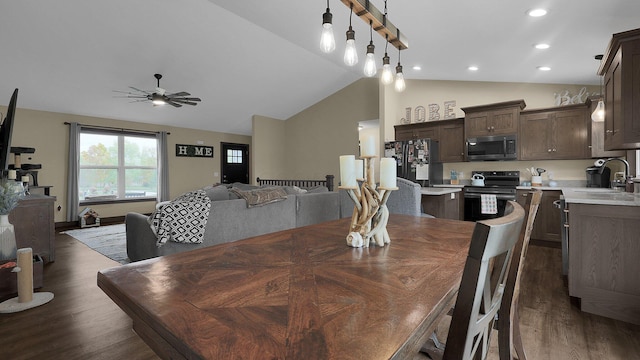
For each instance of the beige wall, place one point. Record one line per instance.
(268, 155)
(317, 136)
(46, 132)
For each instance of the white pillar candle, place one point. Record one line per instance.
(359, 169)
(25, 179)
(348, 171)
(388, 173)
(12, 175)
(368, 146)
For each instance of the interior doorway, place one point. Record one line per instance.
(235, 163)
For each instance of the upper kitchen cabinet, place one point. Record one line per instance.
(493, 119)
(621, 70)
(423, 130)
(555, 133)
(449, 134)
(597, 135)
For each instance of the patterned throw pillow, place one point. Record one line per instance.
(183, 219)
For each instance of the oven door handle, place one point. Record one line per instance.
(498, 196)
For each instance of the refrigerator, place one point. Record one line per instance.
(417, 160)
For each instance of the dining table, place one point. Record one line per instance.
(301, 293)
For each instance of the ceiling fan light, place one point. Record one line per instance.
(157, 99)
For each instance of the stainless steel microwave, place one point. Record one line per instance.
(492, 148)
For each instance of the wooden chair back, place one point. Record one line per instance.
(482, 285)
(509, 339)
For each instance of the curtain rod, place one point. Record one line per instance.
(115, 128)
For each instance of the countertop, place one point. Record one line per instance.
(599, 196)
(440, 190)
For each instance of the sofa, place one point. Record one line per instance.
(230, 218)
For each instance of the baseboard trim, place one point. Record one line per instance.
(66, 225)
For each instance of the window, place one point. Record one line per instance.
(117, 166)
(234, 156)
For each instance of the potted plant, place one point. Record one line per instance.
(10, 194)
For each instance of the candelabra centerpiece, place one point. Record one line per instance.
(370, 213)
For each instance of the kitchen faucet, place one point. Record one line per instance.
(626, 166)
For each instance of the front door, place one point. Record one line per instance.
(235, 163)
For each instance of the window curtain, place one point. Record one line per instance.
(163, 167)
(73, 197)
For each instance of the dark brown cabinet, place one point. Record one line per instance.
(446, 206)
(493, 119)
(34, 226)
(555, 133)
(597, 134)
(448, 133)
(621, 70)
(547, 224)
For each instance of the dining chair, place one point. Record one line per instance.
(481, 288)
(509, 338)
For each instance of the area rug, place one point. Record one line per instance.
(109, 241)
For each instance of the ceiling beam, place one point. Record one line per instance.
(367, 12)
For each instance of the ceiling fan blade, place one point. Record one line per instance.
(131, 97)
(181, 93)
(170, 102)
(187, 99)
(182, 101)
(142, 91)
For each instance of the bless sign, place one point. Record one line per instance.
(194, 150)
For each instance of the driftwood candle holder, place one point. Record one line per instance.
(370, 213)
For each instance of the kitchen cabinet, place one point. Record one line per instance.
(425, 130)
(34, 226)
(445, 206)
(452, 140)
(597, 134)
(493, 119)
(547, 226)
(603, 259)
(448, 133)
(621, 70)
(555, 133)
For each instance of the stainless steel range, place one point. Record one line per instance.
(502, 184)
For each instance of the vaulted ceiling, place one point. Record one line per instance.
(262, 57)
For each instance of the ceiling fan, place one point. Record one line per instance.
(160, 97)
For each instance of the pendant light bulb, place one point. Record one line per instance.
(370, 68)
(387, 73)
(327, 40)
(400, 84)
(598, 113)
(350, 53)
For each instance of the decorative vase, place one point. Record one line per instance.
(8, 245)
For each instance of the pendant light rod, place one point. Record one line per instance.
(367, 12)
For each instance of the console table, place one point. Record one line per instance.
(34, 225)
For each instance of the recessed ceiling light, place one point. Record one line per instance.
(541, 46)
(473, 68)
(537, 12)
(544, 68)
(417, 67)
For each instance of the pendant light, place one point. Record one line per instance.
(598, 113)
(400, 84)
(387, 75)
(327, 40)
(370, 68)
(350, 53)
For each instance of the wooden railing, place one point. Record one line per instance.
(304, 184)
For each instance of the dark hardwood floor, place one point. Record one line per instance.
(81, 322)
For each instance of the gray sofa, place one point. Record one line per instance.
(230, 219)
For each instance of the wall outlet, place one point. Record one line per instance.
(216, 174)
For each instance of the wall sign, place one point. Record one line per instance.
(194, 150)
(433, 114)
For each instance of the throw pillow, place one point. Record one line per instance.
(259, 197)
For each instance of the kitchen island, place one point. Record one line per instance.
(604, 251)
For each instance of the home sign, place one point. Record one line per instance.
(194, 151)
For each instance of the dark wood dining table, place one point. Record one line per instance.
(297, 294)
